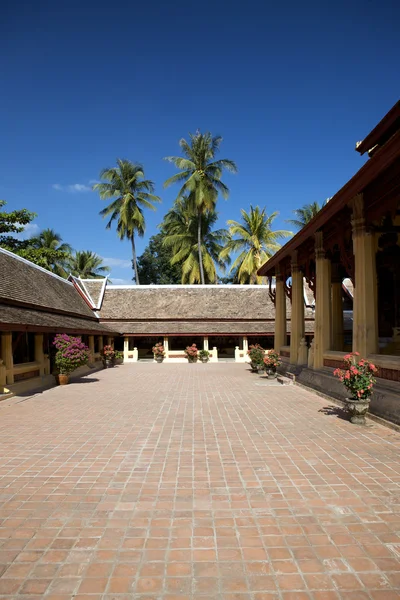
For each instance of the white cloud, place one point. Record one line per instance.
(30, 230)
(79, 187)
(117, 262)
(116, 281)
(74, 188)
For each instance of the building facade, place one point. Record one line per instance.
(353, 239)
(35, 305)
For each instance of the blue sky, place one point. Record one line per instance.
(290, 86)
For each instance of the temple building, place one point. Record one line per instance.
(36, 304)
(353, 239)
(223, 319)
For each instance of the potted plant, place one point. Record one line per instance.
(204, 356)
(271, 362)
(118, 357)
(158, 352)
(108, 356)
(358, 378)
(71, 354)
(192, 353)
(256, 354)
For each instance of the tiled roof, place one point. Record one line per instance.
(218, 302)
(198, 327)
(22, 318)
(95, 288)
(23, 283)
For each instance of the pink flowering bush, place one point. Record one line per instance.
(192, 353)
(71, 353)
(158, 350)
(108, 352)
(357, 376)
(271, 359)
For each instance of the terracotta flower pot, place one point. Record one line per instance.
(63, 379)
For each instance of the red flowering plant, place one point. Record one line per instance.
(192, 353)
(271, 359)
(158, 350)
(108, 352)
(357, 376)
(256, 354)
(71, 353)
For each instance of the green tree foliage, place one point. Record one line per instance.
(255, 241)
(58, 251)
(50, 258)
(87, 265)
(180, 227)
(154, 265)
(13, 222)
(201, 176)
(130, 193)
(305, 214)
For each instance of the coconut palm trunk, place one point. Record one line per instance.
(199, 242)
(134, 259)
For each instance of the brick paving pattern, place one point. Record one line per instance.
(182, 482)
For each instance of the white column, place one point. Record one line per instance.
(205, 343)
(126, 348)
(245, 345)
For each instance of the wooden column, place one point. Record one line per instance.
(337, 310)
(365, 305)
(39, 355)
(297, 318)
(101, 344)
(323, 309)
(91, 347)
(7, 355)
(280, 313)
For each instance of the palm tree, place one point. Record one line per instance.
(305, 214)
(87, 265)
(180, 228)
(57, 251)
(131, 193)
(255, 241)
(201, 177)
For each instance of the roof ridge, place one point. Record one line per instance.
(32, 264)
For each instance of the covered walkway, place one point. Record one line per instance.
(179, 482)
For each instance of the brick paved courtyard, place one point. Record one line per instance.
(178, 482)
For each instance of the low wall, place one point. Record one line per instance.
(385, 401)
